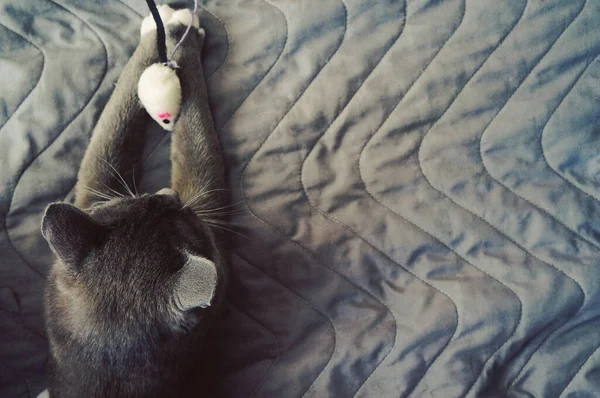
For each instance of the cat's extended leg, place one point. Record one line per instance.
(109, 165)
(197, 161)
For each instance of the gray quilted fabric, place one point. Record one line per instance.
(419, 185)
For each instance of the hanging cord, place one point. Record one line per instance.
(189, 27)
(161, 38)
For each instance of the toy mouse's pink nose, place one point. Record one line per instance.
(165, 117)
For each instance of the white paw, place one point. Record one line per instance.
(148, 23)
(183, 17)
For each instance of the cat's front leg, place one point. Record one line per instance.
(197, 161)
(110, 164)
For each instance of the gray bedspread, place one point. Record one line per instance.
(418, 185)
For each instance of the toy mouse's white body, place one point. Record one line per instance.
(159, 89)
(160, 92)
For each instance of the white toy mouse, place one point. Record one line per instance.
(159, 91)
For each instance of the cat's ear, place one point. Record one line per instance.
(70, 232)
(196, 283)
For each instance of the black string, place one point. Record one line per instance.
(160, 32)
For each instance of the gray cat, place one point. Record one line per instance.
(138, 278)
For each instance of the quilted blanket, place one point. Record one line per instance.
(418, 184)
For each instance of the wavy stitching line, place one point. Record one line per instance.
(131, 8)
(347, 227)
(20, 376)
(570, 89)
(383, 254)
(496, 47)
(302, 300)
(7, 120)
(311, 255)
(228, 36)
(38, 77)
(267, 71)
(366, 240)
(420, 164)
(578, 371)
(424, 229)
(485, 221)
(261, 382)
(55, 138)
(591, 195)
(582, 292)
(16, 318)
(243, 195)
(401, 216)
(485, 130)
(541, 209)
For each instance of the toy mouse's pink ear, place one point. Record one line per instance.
(159, 91)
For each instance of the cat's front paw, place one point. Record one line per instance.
(183, 17)
(170, 16)
(148, 23)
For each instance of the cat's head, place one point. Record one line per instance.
(131, 263)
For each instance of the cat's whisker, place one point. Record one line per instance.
(98, 202)
(224, 207)
(98, 193)
(230, 230)
(104, 198)
(134, 186)
(222, 210)
(118, 194)
(223, 222)
(119, 178)
(217, 214)
(99, 178)
(192, 201)
(187, 204)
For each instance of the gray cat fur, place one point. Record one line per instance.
(122, 314)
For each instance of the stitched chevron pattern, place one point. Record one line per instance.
(419, 183)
